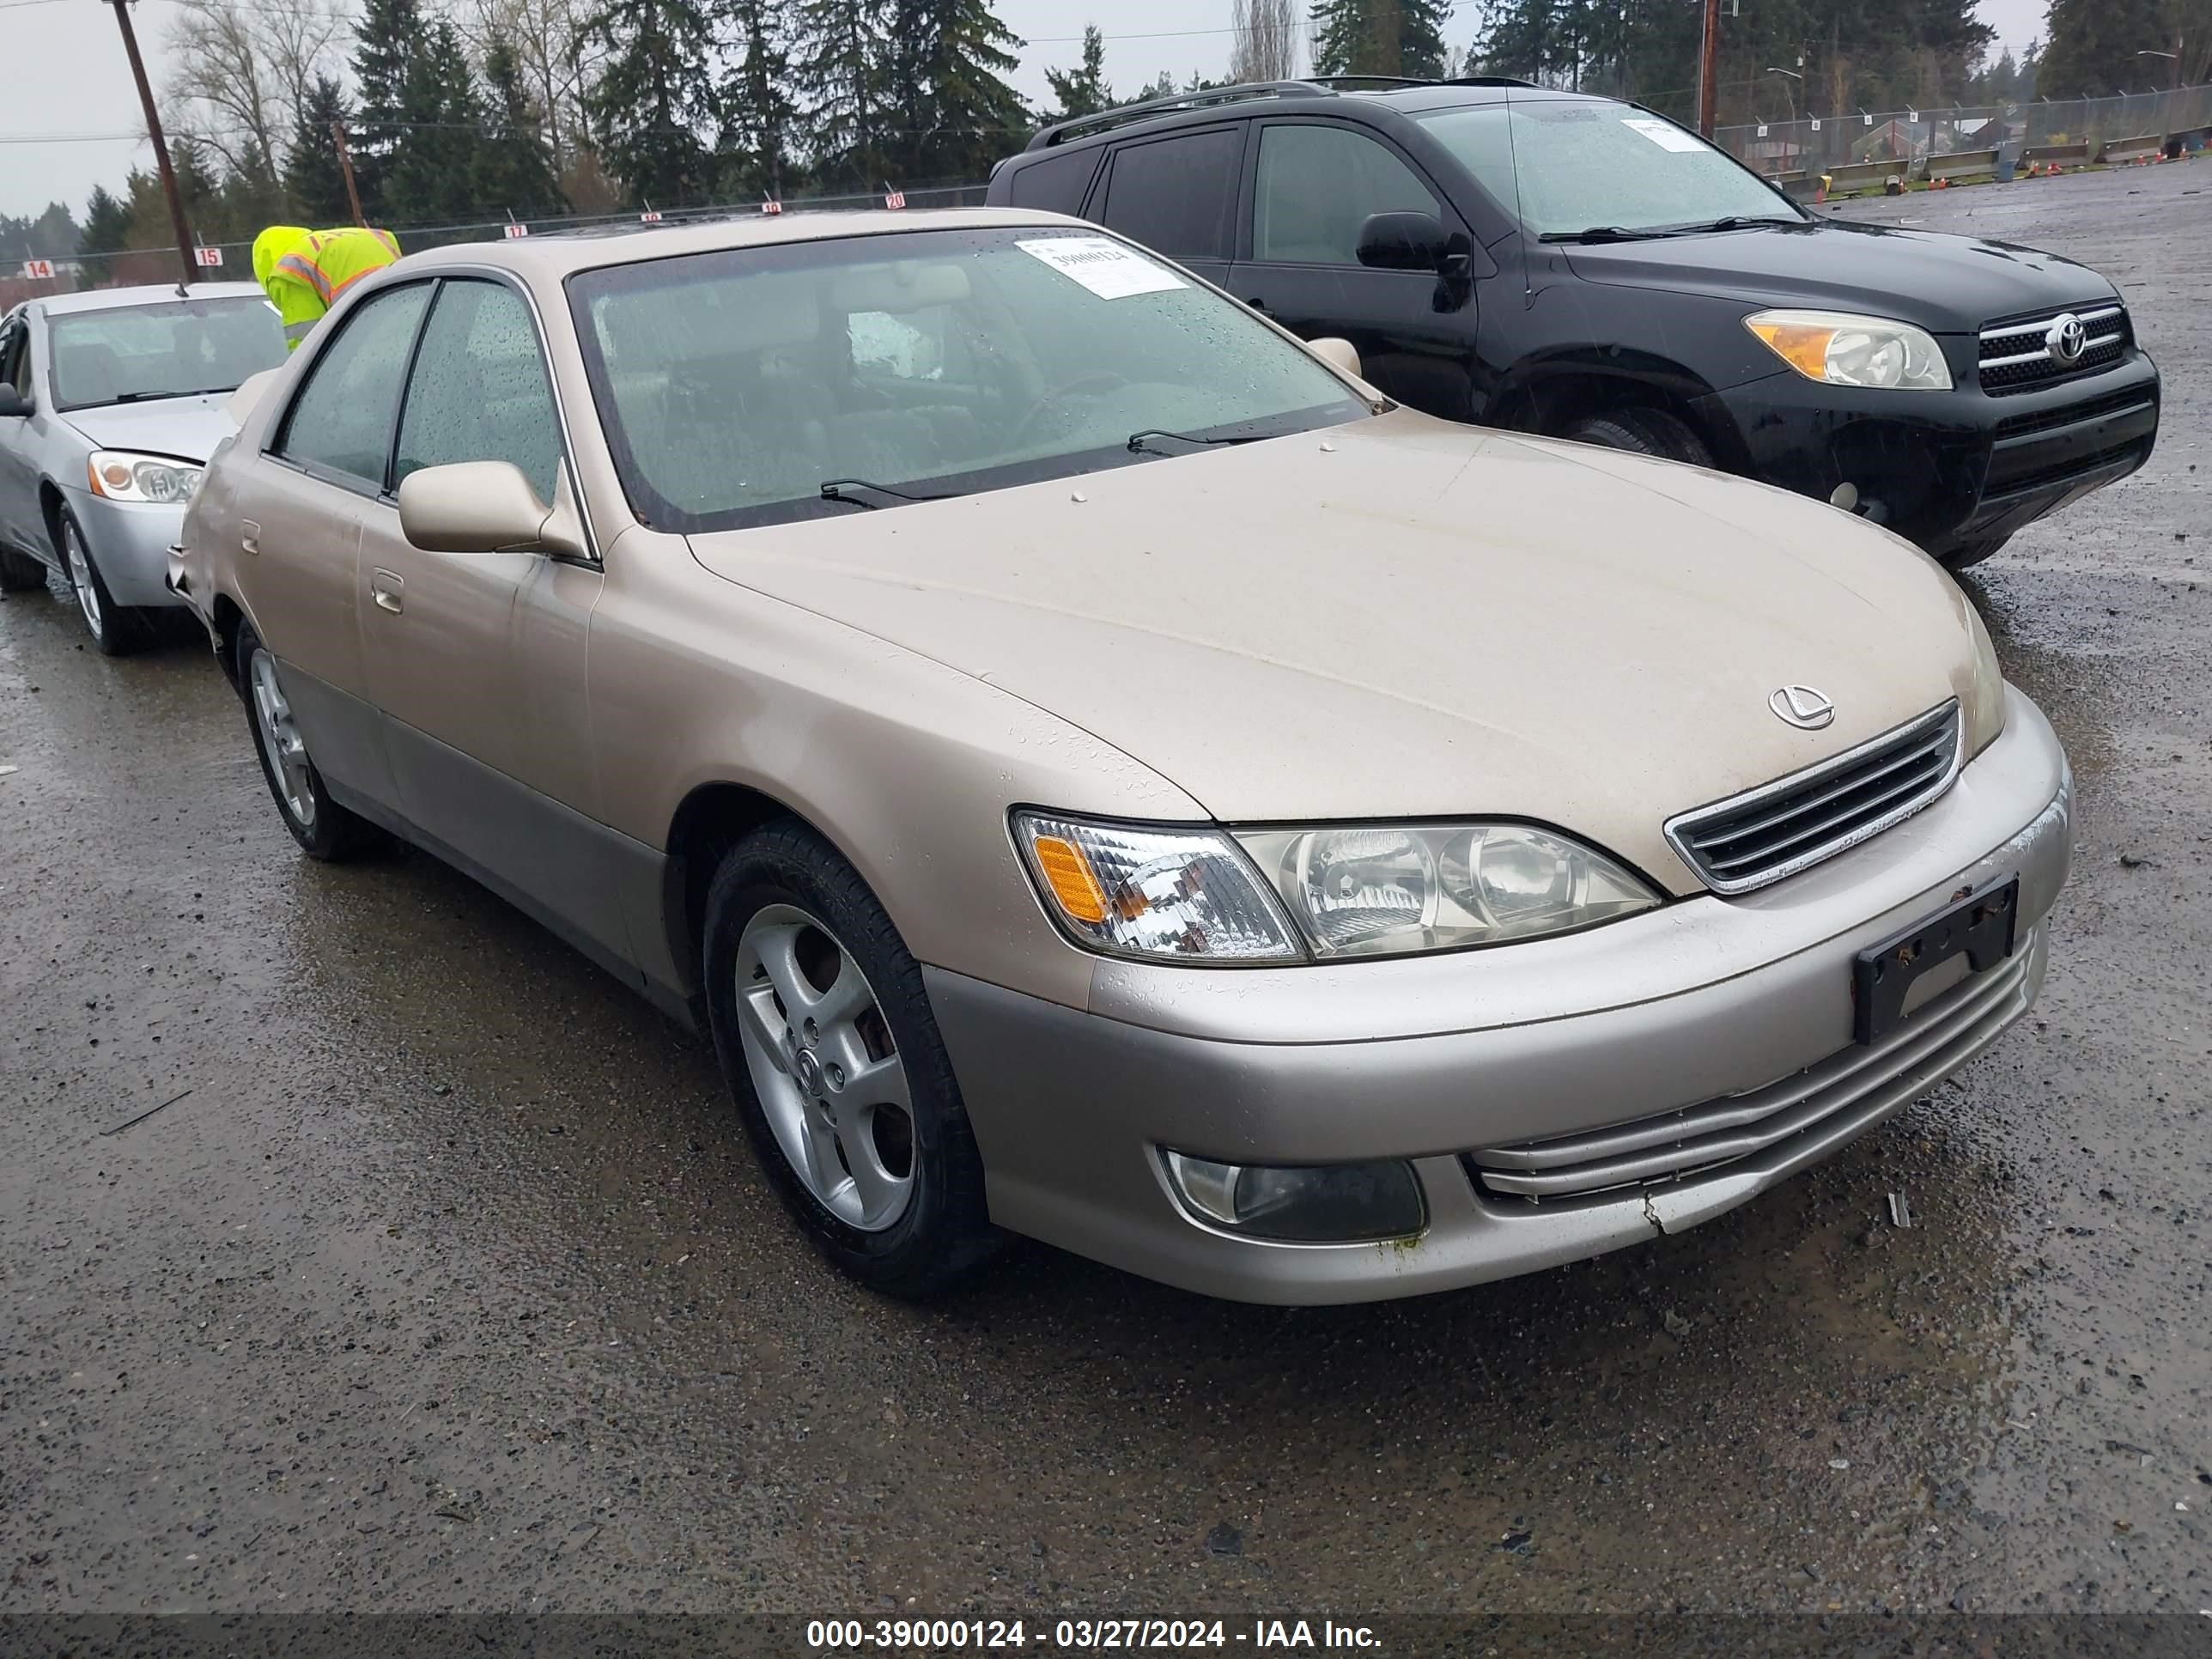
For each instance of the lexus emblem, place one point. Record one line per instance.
(2067, 341)
(1802, 707)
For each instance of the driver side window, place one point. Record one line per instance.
(16, 355)
(1316, 187)
(341, 423)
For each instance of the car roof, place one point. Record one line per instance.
(143, 294)
(550, 257)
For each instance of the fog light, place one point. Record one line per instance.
(1313, 1204)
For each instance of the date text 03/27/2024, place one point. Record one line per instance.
(954, 1635)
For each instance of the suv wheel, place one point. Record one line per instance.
(833, 1058)
(322, 826)
(1644, 432)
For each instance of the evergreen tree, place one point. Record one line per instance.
(106, 224)
(388, 40)
(1082, 91)
(1383, 37)
(513, 172)
(2094, 47)
(653, 99)
(843, 71)
(958, 115)
(432, 165)
(314, 183)
(758, 115)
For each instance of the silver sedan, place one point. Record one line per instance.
(111, 403)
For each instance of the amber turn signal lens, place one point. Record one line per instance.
(1068, 872)
(1804, 349)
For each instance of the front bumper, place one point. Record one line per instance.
(1434, 1060)
(1948, 468)
(129, 542)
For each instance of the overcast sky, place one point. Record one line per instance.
(68, 76)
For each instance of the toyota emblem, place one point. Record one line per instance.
(2067, 341)
(1802, 707)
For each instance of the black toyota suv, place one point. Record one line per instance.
(1555, 263)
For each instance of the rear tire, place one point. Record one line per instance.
(1644, 432)
(849, 1096)
(324, 829)
(117, 631)
(1972, 553)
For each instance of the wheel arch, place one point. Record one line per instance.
(1548, 395)
(709, 821)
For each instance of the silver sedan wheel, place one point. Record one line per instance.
(824, 1067)
(79, 572)
(281, 740)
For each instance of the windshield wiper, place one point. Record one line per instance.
(1608, 233)
(1746, 221)
(859, 492)
(1141, 441)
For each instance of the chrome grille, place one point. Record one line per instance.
(2014, 357)
(1781, 828)
(1826, 1105)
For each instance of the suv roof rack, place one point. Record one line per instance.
(1318, 86)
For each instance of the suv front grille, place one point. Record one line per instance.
(1781, 828)
(2015, 358)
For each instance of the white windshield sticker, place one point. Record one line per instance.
(1665, 136)
(1107, 269)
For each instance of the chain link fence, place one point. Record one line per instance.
(1820, 144)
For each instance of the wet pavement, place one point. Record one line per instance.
(447, 1278)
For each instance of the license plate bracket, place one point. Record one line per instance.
(1980, 926)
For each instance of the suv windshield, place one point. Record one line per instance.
(1587, 165)
(735, 385)
(130, 354)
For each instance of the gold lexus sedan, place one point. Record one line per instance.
(1100, 771)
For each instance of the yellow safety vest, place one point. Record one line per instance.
(304, 271)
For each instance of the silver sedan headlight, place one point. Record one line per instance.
(1389, 890)
(123, 475)
(1198, 894)
(1839, 348)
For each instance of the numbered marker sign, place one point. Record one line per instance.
(895, 198)
(1816, 126)
(650, 216)
(38, 270)
(1762, 133)
(771, 207)
(514, 231)
(211, 257)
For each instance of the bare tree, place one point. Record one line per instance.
(1265, 45)
(244, 70)
(548, 40)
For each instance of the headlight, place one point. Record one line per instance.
(121, 476)
(1388, 889)
(1985, 693)
(1842, 349)
(1129, 891)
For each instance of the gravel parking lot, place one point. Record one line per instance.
(447, 1280)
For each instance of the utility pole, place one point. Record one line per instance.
(1708, 70)
(160, 147)
(345, 165)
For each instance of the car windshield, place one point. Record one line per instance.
(735, 385)
(1580, 165)
(131, 354)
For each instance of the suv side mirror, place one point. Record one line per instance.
(1401, 241)
(484, 506)
(14, 404)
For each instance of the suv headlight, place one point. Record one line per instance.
(1840, 349)
(121, 476)
(1199, 894)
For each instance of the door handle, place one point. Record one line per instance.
(383, 587)
(249, 536)
(1258, 305)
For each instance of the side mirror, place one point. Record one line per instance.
(14, 404)
(1340, 353)
(485, 507)
(1401, 241)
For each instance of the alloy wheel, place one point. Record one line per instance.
(281, 740)
(81, 578)
(823, 1065)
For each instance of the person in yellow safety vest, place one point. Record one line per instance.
(303, 271)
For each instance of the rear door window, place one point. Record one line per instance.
(1317, 185)
(1057, 184)
(341, 423)
(1176, 194)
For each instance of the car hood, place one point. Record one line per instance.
(1947, 284)
(186, 428)
(1405, 618)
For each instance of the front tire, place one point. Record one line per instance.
(833, 1058)
(117, 631)
(1644, 432)
(324, 829)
